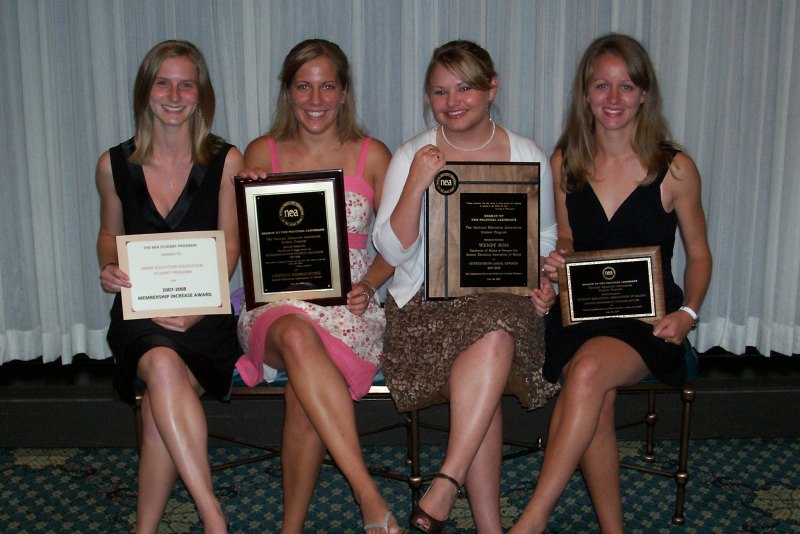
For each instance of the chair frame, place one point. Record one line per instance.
(680, 474)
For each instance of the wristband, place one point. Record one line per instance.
(692, 314)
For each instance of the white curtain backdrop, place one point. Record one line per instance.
(729, 69)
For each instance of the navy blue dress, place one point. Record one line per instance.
(209, 347)
(640, 221)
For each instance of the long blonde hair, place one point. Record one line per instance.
(285, 125)
(650, 140)
(204, 143)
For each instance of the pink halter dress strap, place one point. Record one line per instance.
(357, 184)
(273, 155)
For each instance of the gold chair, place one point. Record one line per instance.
(652, 387)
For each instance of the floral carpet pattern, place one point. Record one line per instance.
(735, 486)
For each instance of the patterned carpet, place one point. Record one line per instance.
(736, 486)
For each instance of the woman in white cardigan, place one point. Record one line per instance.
(466, 351)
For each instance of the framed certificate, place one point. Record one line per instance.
(482, 226)
(174, 274)
(618, 283)
(293, 235)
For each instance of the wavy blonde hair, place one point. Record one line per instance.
(651, 139)
(285, 125)
(204, 143)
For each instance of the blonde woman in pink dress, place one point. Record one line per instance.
(330, 353)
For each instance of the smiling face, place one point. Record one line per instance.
(316, 95)
(174, 94)
(612, 96)
(455, 104)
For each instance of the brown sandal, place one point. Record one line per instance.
(435, 526)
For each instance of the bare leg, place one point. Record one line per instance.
(600, 366)
(322, 392)
(600, 469)
(477, 380)
(157, 474)
(483, 478)
(180, 422)
(302, 452)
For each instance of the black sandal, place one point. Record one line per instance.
(435, 526)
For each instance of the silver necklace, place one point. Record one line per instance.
(446, 140)
(171, 175)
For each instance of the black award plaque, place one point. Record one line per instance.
(293, 235)
(482, 224)
(618, 283)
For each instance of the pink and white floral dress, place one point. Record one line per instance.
(355, 343)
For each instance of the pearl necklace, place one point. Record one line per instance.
(446, 140)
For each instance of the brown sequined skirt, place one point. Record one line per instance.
(424, 338)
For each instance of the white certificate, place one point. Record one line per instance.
(174, 274)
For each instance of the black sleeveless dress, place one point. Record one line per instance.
(640, 221)
(209, 347)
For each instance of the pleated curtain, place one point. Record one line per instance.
(729, 71)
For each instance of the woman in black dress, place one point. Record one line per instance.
(172, 176)
(619, 182)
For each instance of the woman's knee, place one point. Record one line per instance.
(291, 334)
(160, 362)
(583, 370)
(500, 341)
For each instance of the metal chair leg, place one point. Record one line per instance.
(650, 419)
(682, 474)
(415, 478)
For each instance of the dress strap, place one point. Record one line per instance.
(362, 158)
(273, 155)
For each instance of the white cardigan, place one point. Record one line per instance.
(410, 262)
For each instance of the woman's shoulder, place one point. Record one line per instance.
(103, 169)
(683, 167)
(556, 159)
(421, 139)
(233, 155)
(378, 154)
(261, 140)
(257, 153)
(524, 148)
(125, 148)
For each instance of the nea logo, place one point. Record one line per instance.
(291, 213)
(446, 182)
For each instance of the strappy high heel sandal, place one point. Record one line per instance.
(434, 526)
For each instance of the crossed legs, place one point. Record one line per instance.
(474, 446)
(319, 416)
(582, 433)
(174, 443)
